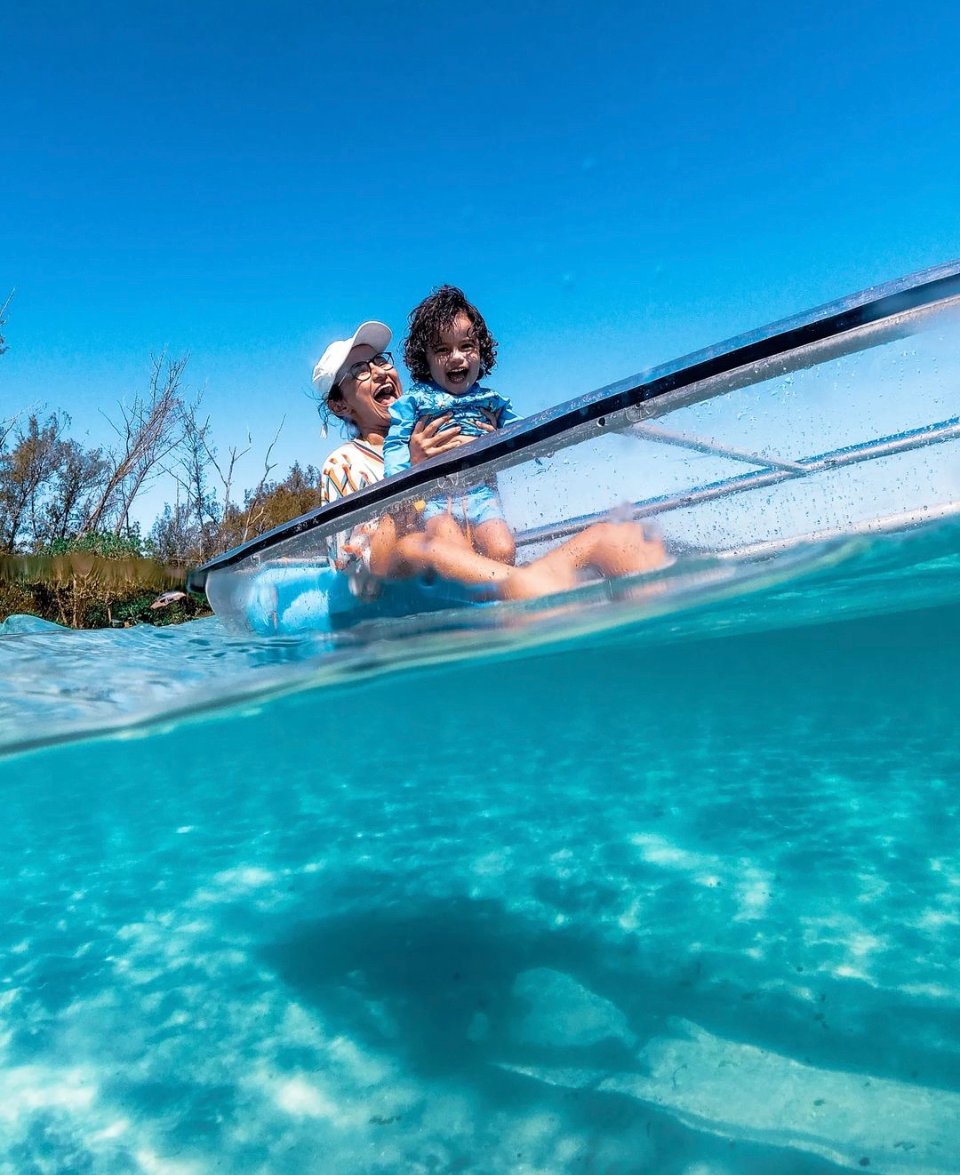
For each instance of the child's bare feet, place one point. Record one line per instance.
(624, 548)
(610, 548)
(537, 579)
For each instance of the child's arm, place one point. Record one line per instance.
(396, 446)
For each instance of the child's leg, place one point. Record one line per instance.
(456, 560)
(383, 546)
(618, 548)
(495, 540)
(445, 527)
(491, 538)
(441, 547)
(611, 548)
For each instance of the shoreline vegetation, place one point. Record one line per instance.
(69, 550)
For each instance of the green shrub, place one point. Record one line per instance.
(97, 581)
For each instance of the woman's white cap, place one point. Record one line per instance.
(374, 334)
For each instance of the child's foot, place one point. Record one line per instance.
(536, 579)
(625, 548)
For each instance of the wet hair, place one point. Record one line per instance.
(325, 408)
(435, 314)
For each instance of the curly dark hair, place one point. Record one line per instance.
(435, 314)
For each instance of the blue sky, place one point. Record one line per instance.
(613, 187)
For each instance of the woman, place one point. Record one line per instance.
(357, 382)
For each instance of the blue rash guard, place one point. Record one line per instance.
(469, 411)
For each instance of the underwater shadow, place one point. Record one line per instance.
(451, 985)
(466, 991)
(466, 986)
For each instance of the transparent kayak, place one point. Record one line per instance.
(834, 423)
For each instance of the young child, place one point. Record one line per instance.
(448, 350)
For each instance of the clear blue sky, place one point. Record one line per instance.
(613, 186)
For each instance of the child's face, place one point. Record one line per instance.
(454, 357)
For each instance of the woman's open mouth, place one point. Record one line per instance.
(386, 395)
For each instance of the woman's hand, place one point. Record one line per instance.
(429, 438)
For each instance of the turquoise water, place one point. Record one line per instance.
(637, 887)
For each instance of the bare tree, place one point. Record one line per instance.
(149, 430)
(254, 500)
(3, 322)
(233, 524)
(198, 516)
(6, 428)
(226, 471)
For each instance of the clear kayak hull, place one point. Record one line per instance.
(841, 421)
(296, 596)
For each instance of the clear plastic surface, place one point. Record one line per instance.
(850, 434)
